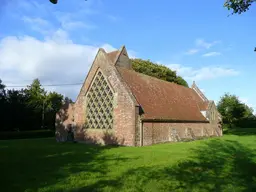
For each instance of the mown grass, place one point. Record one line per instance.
(223, 164)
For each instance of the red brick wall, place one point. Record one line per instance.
(124, 107)
(161, 132)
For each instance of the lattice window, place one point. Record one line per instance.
(99, 104)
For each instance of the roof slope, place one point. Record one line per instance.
(200, 98)
(113, 55)
(203, 105)
(162, 100)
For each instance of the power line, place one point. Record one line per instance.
(47, 85)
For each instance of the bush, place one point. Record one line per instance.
(26, 134)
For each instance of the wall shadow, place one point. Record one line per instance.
(61, 116)
(217, 165)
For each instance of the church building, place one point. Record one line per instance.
(117, 105)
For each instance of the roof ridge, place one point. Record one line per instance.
(142, 74)
(199, 92)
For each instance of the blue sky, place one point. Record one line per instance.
(57, 43)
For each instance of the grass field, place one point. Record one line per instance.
(225, 164)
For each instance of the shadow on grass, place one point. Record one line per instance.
(32, 164)
(217, 165)
(240, 131)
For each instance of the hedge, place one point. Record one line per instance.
(26, 134)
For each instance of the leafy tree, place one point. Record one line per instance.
(2, 88)
(53, 104)
(2, 103)
(232, 110)
(54, 101)
(238, 6)
(36, 102)
(159, 71)
(54, 1)
(36, 94)
(28, 109)
(248, 112)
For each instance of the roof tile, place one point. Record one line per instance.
(113, 55)
(203, 105)
(161, 99)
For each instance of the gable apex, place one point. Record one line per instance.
(195, 88)
(100, 51)
(123, 51)
(123, 59)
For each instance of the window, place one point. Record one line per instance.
(99, 104)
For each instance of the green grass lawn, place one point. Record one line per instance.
(225, 164)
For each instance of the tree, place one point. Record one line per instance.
(2, 104)
(53, 104)
(233, 110)
(36, 94)
(248, 113)
(17, 112)
(159, 71)
(54, 1)
(2, 88)
(238, 6)
(28, 109)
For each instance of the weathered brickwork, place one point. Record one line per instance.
(64, 119)
(124, 107)
(155, 132)
(129, 127)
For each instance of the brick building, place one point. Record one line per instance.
(117, 105)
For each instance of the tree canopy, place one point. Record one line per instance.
(29, 108)
(238, 6)
(233, 110)
(159, 71)
(54, 1)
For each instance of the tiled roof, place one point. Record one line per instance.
(113, 55)
(203, 105)
(162, 100)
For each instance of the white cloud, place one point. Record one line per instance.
(35, 21)
(210, 54)
(70, 22)
(205, 45)
(192, 51)
(51, 61)
(201, 44)
(37, 24)
(56, 60)
(53, 57)
(203, 73)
